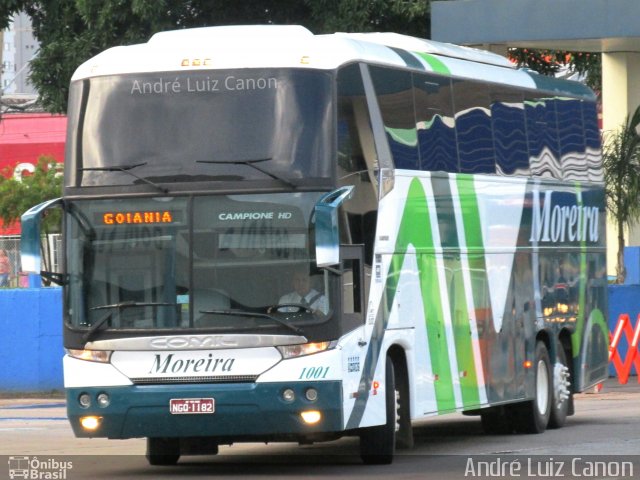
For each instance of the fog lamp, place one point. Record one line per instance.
(311, 416)
(91, 422)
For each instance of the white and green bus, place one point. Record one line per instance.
(444, 208)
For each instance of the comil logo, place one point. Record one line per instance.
(38, 469)
(556, 222)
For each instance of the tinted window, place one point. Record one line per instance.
(356, 161)
(435, 123)
(592, 140)
(509, 131)
(192, 125)
(571, 138)
(394, 91)
(542, 136)
(473, 127)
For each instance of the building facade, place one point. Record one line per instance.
(18, 48)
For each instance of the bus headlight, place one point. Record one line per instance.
(101, 356)
(103, 400)
(84, 400)
(311, 394)
(292, 351)
(288, 395)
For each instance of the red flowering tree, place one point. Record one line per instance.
(550, 62)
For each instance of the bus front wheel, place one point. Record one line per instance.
(163, 451)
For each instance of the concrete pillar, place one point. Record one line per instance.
(620, 98)
(620, 88)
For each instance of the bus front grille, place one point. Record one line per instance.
(214, 379)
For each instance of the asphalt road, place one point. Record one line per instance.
(605, 429)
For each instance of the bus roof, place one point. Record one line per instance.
(293, 46)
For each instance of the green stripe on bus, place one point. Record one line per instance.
(415, 229)
(436, 64)
(473, 232)
(576, 337)
(473, 240)
(462, 334)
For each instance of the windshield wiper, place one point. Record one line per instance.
(126, 169)
(251, 163)
(241, 313)
(96, 326)
(130, 303)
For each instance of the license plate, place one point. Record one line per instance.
(181, 406)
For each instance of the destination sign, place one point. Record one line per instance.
(144, 217)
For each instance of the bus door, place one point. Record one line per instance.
(353, 285)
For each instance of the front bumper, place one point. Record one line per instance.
(243, 411)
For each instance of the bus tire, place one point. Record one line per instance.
(163, 451)
(404, 429)
(377, 444)
(561, 395)
(533, 416)
(496, 421)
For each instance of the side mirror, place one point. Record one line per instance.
(30, 239)
(327, 230)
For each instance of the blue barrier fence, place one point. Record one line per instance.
(31, 339)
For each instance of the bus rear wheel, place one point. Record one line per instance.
(163, 451)
(377, 444)
(533, 416)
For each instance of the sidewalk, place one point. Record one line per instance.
(611, 385)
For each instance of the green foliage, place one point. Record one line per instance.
(17, 196)
(621, 159)
(72, 31)
(409, 17)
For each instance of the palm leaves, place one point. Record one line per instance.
(621, 160)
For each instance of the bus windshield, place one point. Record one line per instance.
(191, 126)
(222, 263)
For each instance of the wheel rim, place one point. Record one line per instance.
(542, 388)
(561, 384)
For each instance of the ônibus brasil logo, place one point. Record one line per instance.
(38, 469)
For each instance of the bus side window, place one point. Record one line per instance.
(571, 137)
(394, 89)
(509, 131)
(435, 123)
(542, 137)
(592, 138)
(357, 162)
(473, 127)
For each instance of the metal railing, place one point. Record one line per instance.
(11, 245)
